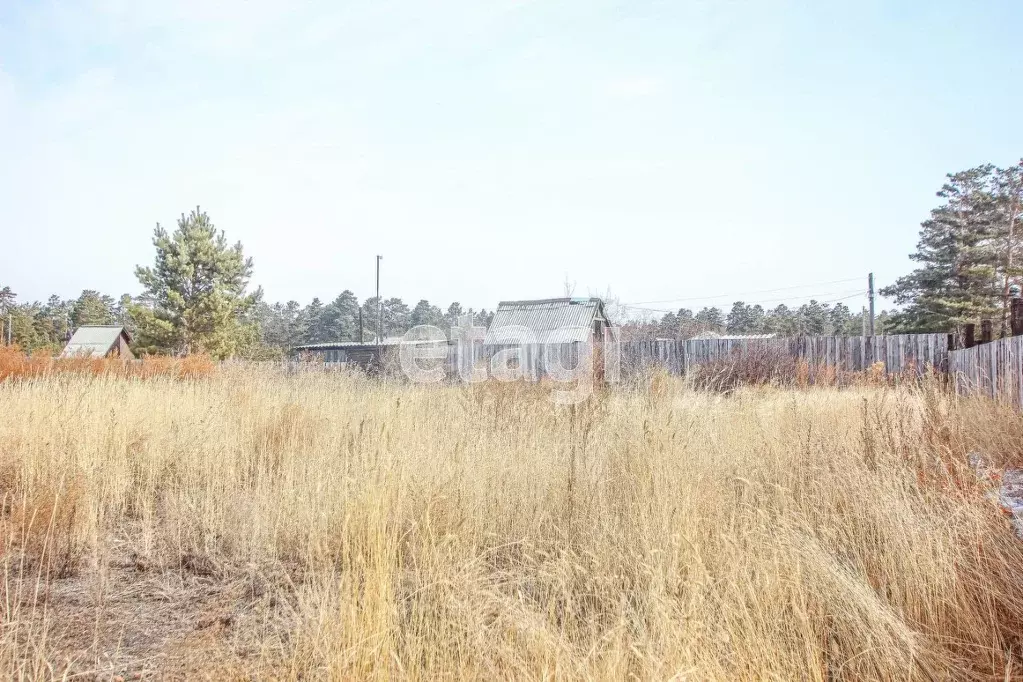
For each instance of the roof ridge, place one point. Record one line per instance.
(564, 299)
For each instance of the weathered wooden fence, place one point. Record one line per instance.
(992, 369)
(851, 353)
(897, 353)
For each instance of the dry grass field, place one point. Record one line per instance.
(255, 525)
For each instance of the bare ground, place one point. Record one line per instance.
(128, 619)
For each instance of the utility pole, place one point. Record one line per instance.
(870, 297)
(360, 325)
(1015, 311)
(380, 307)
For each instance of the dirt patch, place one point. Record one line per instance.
(125, 620)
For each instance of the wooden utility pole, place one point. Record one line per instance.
(1016, 316)
(870, 298)
(380, 310)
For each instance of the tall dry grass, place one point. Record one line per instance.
(376, 531)
(17, 364)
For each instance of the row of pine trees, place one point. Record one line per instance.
(196, 296)
(277, 326)
(813, 318)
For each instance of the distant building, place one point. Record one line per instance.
(100, 342)
(359, 354)
(551, 320)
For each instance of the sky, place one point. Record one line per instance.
(664, 154)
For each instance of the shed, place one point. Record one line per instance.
(552, 320)
(364, 355)
(99, 341)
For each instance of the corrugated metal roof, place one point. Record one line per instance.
(93, 341)
(707, 336)
(553, 320)
(345, 345)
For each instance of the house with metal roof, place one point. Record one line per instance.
(99, 341)
(550, 320)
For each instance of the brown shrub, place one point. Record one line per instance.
(40, 527)
(16, 364)
(761, 366)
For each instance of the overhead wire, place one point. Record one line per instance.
(744, 293)
(841, 296)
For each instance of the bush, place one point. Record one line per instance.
(757, 366)
(16, 364)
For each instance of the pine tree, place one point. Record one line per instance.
(483, 318)
(453, 313)
(813, 319)
(838, 319)
(197, 288)
(52, 321)
(92, 308)
(370, 318)
(964, 253)
(1009, 212)
(122, 313)
(745, 319)
(312, 323)
(7, 300)
(710, 320)
(340, 318)
(396, 317)
(424, 313)
(781, 321)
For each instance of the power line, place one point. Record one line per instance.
(843, 295)
(844, 298)
(746, 293)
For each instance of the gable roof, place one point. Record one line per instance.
(94, 340)
(552, 320)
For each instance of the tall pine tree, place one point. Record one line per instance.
(197, 292)
(969, 253)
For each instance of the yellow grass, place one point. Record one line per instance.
(257, 525)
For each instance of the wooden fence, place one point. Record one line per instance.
(851, 353)
(992, 369)
(897, 353)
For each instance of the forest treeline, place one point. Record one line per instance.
(196, 294)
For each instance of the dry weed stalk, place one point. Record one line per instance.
(480, 532)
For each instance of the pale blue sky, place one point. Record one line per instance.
(488, 149)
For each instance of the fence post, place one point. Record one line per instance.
(987, 329)
(969, 335)
(1016, 316)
